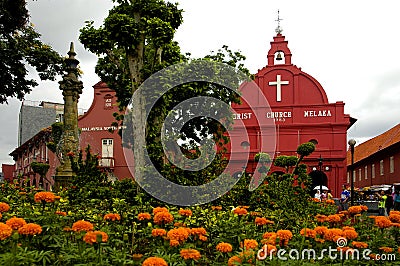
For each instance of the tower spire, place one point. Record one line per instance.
(278, 29)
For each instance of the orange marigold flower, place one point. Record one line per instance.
(1, 216)
(179, 234)
(57, 197)
(262, 221)
(364, 207)
(163, 218)
(44, 196)
(255, 213)
(382, 222)
(203, 238)
(348, 228)
(316, 200)
(158, 232)
(394, 212)
(320, 230)
(396, 224)
(359, 244)
(240, 211)
(15, 222)
(82, 225)
(308, 232)
(284, 237)
(160, 209)
(4, 207)
(350, 234)
(154, 261)
(355, 209)
(30, 229)
(91, 237)
(224, 247)
(329, 201)
(250, 244)
(185, 212)
(386, 249)
(331, 233)
(112, 217)
(67, 229)
(395, 218)
(144, 216)
(173, 243)
(5, 231)
(216, 208)
(190, 254)
(284, 234)
(198, 231)
(334, 218)
(270, 238)
(320, 218)
(61, 213)
(235, 260)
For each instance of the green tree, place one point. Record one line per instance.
(136, 40)
(21, 47)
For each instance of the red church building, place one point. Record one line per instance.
(94, 126)
(299, 107)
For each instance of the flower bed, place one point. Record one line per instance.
(44, 228)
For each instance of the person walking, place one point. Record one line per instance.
(382, 203)
(396, 199)
(329, 195)
(389, 203)
(318, 195)
(344, 199)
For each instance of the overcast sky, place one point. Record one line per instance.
(350, 47)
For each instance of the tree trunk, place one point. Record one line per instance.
(135, 61)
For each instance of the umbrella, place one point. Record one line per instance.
(323, 188)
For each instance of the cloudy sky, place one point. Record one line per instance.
(350, 47)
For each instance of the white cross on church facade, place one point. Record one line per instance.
(278, 84)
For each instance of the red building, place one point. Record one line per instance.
(298, 112)
(300, 109)
(95, 127)
(376, 161)
(8, 171)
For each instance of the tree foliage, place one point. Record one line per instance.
(21, 47)
(135, 41)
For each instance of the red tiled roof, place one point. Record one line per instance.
(380, 142)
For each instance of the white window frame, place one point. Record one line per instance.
(373, 170)
(366, 172)
(391, 164)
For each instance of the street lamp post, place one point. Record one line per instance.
(320, 173)
(352, 143)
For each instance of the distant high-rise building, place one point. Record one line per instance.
(34, 116)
